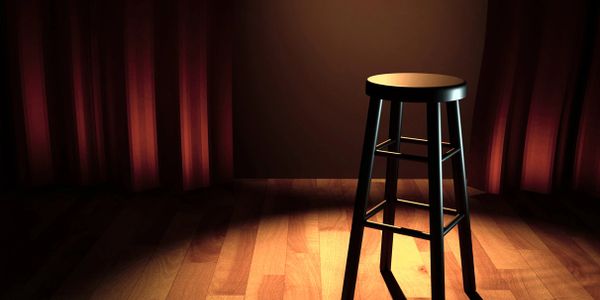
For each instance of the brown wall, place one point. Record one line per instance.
(300, 67)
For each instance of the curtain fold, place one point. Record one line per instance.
(534, 126)
(131, 92)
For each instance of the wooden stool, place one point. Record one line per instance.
(431, 89)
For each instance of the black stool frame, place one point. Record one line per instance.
(434, 160)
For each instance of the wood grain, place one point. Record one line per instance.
(196, 271)
(302, 265)
(287, 239)
(161, 270)
(267, 270)
(231, 272)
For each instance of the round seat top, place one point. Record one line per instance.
(416, 87)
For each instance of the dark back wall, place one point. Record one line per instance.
(300, 67)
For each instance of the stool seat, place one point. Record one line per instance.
(416, 87)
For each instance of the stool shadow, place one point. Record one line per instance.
(392, 285)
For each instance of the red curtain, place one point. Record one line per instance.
(536, 120)
(134, 92)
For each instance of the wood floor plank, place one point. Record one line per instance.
(224, 297)
(86, 277)
(269, 254)
(302, 267)
(555, 277)
(583, 267)
(75, 236)
(453, 277)
(196, 271)
(192, 280)
(333, 250)
(125, 273)
(525, 284)
(272, 287)
(233, 267)
(288, 238)
(421, 216)
(502, 253)
(369, 281)
(159, 274)
(337, 197)
(412, 268)
(129, 264)
(302, 276)
(522, 237)
(269, 257)
(497, 295)
(590, 246)
(487, 276)
(409, 269)
(593, 290)
(334, 226)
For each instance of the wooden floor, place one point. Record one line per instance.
(279, 239)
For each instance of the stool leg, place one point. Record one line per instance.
(360, 203)
(462, 200)
(391, 187)
(436, 217)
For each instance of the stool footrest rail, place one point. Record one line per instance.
(410, 140)
(408, 231)
(398, 230)
(425, 205)
(379, 206)
(418, 158)
(453, 223)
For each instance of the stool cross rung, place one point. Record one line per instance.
(385, 143)
(398, 230)
(407, 231)
(379, 206)
(425, 205)
(453, 223)
(413, 140)
(410, 140)
(412, 232)
(373, 211)
(398, 155)
(418, 158)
